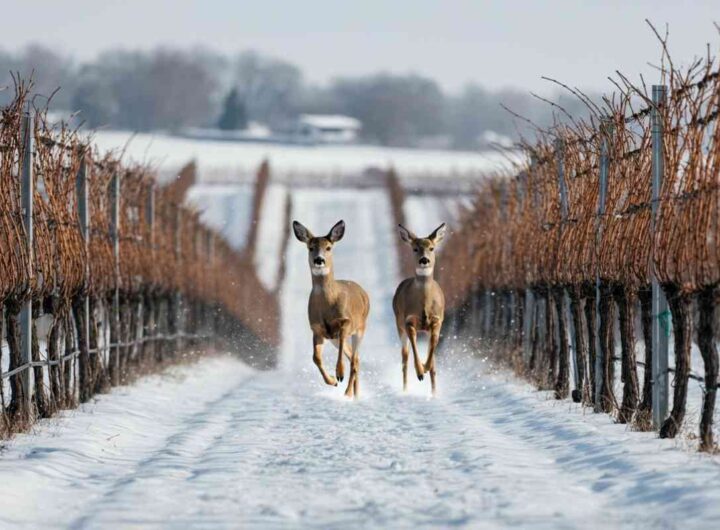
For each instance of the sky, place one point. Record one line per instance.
(496, 44)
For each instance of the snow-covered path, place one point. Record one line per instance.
(217, 445)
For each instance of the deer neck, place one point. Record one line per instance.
(325, 285)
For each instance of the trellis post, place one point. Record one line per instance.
(562, 185)
(606, 130)
(523, 195)
(115, 236)
(660, 328)
(150, 218)
(81, 189)
(487, 312)
(178, 297)
(564, 214)
(26, 198)
(209, 307)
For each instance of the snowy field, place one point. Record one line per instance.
(228, 209)
(424, 213)
(239, 161)
(225, 208)
(217, 445)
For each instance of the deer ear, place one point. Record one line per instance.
(406, 235)
(438, 234)
(302, 233)
(337, 232)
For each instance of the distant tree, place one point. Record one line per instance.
(52, 74)
(233, 115)
(269, 87)
(394, 110)
(95, 98)
(162, 89)
(173, 88)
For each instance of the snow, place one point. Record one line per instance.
(218, 445)
(330, 121)
(424, 213)
(226, 208)
(254, 132)
(231, 161)
(271, 235)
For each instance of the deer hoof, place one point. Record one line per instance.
(421, 377)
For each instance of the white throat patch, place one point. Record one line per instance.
(423, 271)
(319, 271)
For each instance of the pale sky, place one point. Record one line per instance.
(493, 43)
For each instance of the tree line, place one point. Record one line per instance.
(168, 89)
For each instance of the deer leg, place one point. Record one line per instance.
(405, 355)
(412, 335)
(356, 379)
(352, 388)
(351, 380)
(342, 337)
(346, 351)
(339, 367)
(432, 346)
(430, 364)
(317, 359)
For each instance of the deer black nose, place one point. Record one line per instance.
(424, 261)
(319, 261)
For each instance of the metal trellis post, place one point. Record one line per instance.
(660, 328)
(179, 328)
(115, 235)
(26, 192)
(600, 351)
(150, 217)
(209, 320)
(565, 212)
(562, 185)
(81, 189)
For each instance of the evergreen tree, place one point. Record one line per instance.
(233, 116)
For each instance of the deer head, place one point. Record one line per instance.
(320, 248)
(424, 248)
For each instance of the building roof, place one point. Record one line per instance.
(330, 121)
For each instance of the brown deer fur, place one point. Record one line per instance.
(337, 309)
(419, 304)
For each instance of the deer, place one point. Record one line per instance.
(419, 304)
(337, 309)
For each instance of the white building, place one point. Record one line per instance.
(327, 128)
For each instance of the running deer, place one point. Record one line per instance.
(419, 303)
(337, 310)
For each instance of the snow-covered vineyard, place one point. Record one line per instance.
(219, 444)
(157, 363)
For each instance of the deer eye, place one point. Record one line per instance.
(432, 249)
(328, 249)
